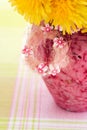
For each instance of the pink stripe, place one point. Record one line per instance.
(22, 98)
(22, 95)
(16, 88)
(29, 109)
(40, 86)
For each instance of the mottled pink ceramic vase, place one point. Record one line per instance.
(69, 87)
(62, 62)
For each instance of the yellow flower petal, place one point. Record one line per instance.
(33, 11)
(70, 14)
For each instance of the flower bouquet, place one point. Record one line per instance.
(56, 48)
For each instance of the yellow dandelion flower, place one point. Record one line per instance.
(70, 14)
(33, 11)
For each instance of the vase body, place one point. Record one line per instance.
(69, 86)
(63, 68)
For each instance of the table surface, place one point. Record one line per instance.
(25, 102)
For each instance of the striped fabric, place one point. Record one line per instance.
(33, 107)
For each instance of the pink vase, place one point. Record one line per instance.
(69, 87)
